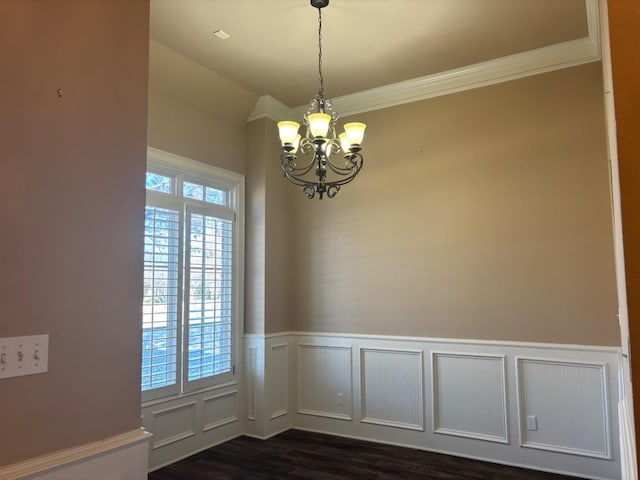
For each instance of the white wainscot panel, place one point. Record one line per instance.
(392, 387)
(566, 405)
(324, 381)
(252, 382)
(469, 396)
(219, 410)
(279, 380)
(173, 424)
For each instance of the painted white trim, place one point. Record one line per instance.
(267, 436)
(73, 455)
(285, 410)
(324, 346)
(213, 388)
(533, 62)
(462, 341)
(627, 443)
(269, 107)
(224, 421)
(363, 399)
(328, 420)
(434, 397)
(315, 413)
(252, 387)
(189, 166)
(389, 423)
(191, 432)
(606, 453)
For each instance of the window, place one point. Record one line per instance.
(192, 276)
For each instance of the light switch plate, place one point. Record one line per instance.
(23, 355)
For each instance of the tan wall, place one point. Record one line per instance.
(72, 204)
(267, 272)
(624, 26)
(483, 214)
(279, 241)
(255, 181)
(185, 129)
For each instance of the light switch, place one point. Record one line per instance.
(23, 355)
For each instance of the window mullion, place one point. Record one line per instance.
(185, 291)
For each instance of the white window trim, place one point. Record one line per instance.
(168, 163)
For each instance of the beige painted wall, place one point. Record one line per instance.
(482, 215)
(183, 128)
(255, 208)
(268, 243)
(72, 204)
(279, 242)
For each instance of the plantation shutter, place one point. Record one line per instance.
(161, 300)
(208, 294)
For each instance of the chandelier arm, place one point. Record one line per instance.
(342, 170)
(351, 161)
(306, 144)
(300, 182)
(288, 165)
(358, 163)
(344, 181)
(298, 172)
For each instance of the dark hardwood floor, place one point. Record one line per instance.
(303, 455)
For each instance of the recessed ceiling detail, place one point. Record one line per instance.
(432, 47)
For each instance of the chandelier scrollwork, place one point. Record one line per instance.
(307, 161)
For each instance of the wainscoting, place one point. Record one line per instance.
(191, 422)
(542, 406)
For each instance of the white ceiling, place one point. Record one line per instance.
(366, 43)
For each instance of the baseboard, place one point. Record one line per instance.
(267, 436)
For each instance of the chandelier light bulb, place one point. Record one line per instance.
(319, 124)
(296, 144)
(344, 142)
(355, 133)
(288, 132)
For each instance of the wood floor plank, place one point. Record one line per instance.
(299, 455)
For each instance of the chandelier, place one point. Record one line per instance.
(306, 161)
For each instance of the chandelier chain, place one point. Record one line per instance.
(306, 158)
(321, 91)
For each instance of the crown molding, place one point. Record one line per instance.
(533, 62)
(504, 69)
(269, 107)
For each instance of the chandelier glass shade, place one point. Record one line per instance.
(321, 161)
